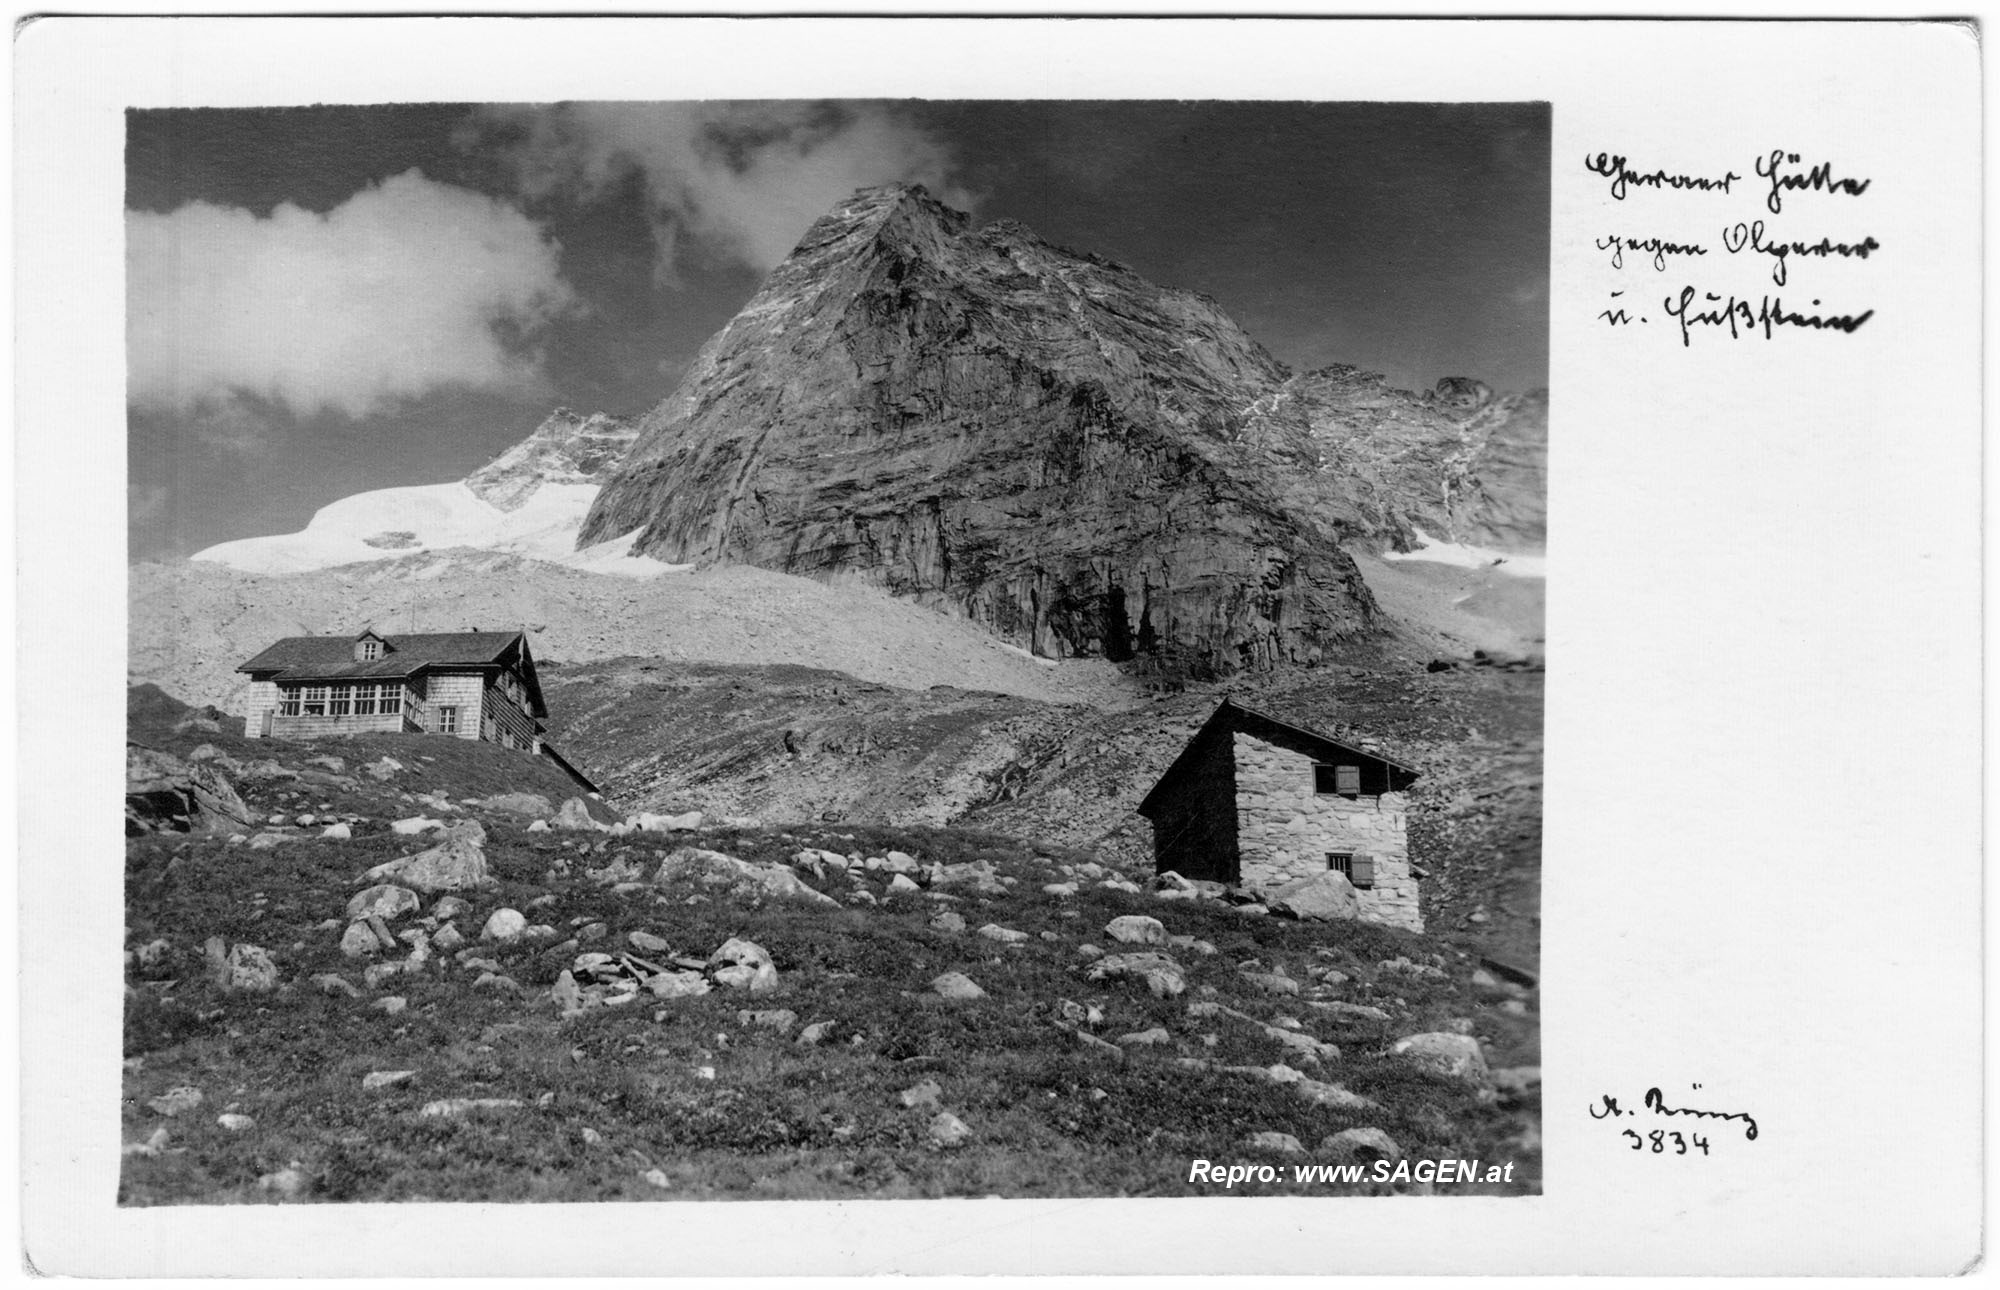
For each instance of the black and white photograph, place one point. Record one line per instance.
(1013, 646)
(837, 649)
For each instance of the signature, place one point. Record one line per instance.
(1606, 1107)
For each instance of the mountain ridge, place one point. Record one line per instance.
(1037, 440)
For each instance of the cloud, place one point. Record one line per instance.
(406, 287)
(737, 182)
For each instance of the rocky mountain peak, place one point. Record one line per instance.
(567, 448)
(1042, 441)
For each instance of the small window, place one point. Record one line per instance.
(447, 720)
(364, 700)
(314, 702)
(1357, 868)
(1342, 780)
(369, 651)
(340, 700)
(392, 699)
(288, 702)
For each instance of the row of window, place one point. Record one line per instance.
(365, 699)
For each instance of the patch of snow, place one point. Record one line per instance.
(438, 517)
(1030, 655)
(1472, 557)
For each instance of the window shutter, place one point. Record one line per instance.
(1347, 779)
(1363, 874)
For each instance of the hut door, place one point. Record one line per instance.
(265, 725)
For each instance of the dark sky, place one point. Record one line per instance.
(327, 300)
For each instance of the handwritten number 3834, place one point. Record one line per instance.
(1659, 1138)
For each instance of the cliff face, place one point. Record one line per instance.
(1042, 441)
(1457, 462)
(568, 448)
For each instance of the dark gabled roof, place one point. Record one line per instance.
(1231, 715)
(299, 657)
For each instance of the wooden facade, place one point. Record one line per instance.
(464, 685)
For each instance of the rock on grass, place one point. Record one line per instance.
(957, 985)
(948, 1131)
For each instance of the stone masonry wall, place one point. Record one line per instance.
(1286, 829)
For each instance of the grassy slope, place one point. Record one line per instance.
(805, 743)
(458, 768)
(1047, 1116)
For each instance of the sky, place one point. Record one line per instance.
(326, 300)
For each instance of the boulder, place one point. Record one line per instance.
(456, 864)
(743, 965)
(1272, 982)
(385, 1079)
(677, 985)
(248, 968)
(334, 983)
(1146, 1038)
(1322, 898)
(456, 1106)
(164, 794)
(358, 941)
(1136, 929)
(235, 1123)
(385, 902)
(957, 985)
(505, 925)
(647, 943)
(978, 877)
(1284, 1143)
(538, 826)
(902, 882)
(779, 1019)
(1004, 935)
(712, 869)
(383, 768)
(1348, 1011)
(412, 825)
(290, 1182)
(1160, 974)
(1364, 1144)
(947, 1130)
(448, 938)
(1457, 1056)
(176, 1101)
(1059, 889)
(948, 921)
(1332, 1096)
(586, 814)
(683, 823)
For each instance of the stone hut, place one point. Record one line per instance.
(1258, 802)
